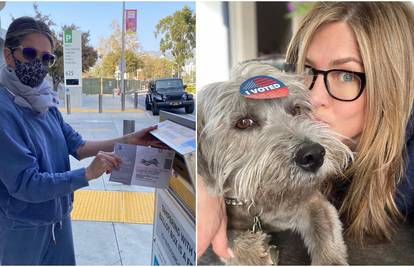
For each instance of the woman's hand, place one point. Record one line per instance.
(211, 223)
(144, 138)
(103, 162)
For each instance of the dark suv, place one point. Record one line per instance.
(168, 93)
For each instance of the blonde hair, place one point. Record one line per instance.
(385, 34)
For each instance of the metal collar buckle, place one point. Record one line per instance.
(231, 201)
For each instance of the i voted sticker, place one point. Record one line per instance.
(263, 87)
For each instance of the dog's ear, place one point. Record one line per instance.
(202, 165)
(206, 94)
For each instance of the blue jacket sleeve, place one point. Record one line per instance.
(19, 171)
(73, 139)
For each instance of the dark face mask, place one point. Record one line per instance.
(31, 73)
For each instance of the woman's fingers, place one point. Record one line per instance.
(145, 132)
(112, 159)
(103, 162)
(158, 144)
(220, 242)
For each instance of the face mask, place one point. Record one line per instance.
(31, 73)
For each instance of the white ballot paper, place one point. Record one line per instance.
(145, 166)
(176, 136)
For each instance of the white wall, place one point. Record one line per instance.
(243, 31)
(221, 46)
(212, 44)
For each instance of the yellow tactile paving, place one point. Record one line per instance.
(85, 110)
(183, 189)
(111, 206)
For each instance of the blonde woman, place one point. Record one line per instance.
(369, 101)
(358, 60)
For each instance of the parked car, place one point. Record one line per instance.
(168, 93)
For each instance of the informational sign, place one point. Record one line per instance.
(131, 20)
(72, 58)
(144, 166)
(176, 136)
(174, 233)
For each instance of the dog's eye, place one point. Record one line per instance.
(297, 110)
(244, 123)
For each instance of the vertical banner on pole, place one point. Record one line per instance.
(131, 20)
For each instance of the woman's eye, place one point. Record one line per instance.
(308, 70)
(244, 123)
(346, 77)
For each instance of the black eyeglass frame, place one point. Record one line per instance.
(12, 49)
(324, 73)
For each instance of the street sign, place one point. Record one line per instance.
(72, 58)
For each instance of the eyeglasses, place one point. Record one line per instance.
(341, 84)
(30, 53)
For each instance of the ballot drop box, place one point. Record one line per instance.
(173, 240)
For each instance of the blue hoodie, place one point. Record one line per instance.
(36, 184)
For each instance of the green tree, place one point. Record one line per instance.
(133, 62)
(110, 51)
(155, 67)
(189, 77)
(111, 62)
(177, 33)
(113, 42)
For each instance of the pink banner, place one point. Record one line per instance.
(131, 20)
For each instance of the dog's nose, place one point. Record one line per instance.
(310, 157)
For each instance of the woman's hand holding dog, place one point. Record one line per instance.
(211, 223)
(103, 162)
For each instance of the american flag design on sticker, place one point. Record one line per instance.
(263, 87)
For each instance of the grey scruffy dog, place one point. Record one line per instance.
(268, 158)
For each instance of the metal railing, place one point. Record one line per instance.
(95, 86)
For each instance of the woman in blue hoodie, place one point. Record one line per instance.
(36, 183)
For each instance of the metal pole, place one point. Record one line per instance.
(100, 96)
(129, 126)
(101, 91)
(100, 103)
(123, 58)
(136, 99)
(117, 87)
(68, 103)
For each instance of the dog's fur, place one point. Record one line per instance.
(257, 165)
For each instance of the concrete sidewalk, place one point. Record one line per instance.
(108, 243)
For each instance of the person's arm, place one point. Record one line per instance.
(81, 149)
(20, 174)
(211, 223)
(142, 137)
(20, 171)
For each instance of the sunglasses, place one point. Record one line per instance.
(30, 53)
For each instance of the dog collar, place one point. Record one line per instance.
(257, 225)
(231, 201)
